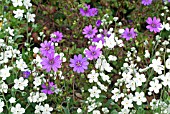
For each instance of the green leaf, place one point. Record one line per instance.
(66, 110)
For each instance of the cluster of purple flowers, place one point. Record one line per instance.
(87, 11)
(49, 60)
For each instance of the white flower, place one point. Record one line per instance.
(124, 111)
(27, 3)
(112, 58)
(139, 98)
(116, 94)
(10, 31)
(167, 63)
(36, 50)
(102, 87)
(154, 104)
(17, 109)
(1, 106)
(20, 83)
(4, 73)
(21, 64)
(110, 42)
(12, 100)
(165, 26)
(46, 109)
(126, 76)
(127, 103)
(38, 109)
(121, 31)
(79, 110)
(147, 54)
(96, 112)
(94, 92)
(37, 81)
(106, 66)
(156, 65)
(166, 79)
(105, 77)
(155, 86)
(30, 17)
(131, 85)
(16, 3)
(105, 110)
(93, 77)
(3, 87)
(139, 79)
(18, 13)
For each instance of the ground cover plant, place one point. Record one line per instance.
(84, 57)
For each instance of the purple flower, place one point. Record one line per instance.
(79, 63)
(93, 53)
(89, 31)
(97, 38)
(93, 11)
(168, 0)
(146, 2)
(98, 23)
(56, 36)
(48, 88)
(85, 11)
(51, 62)
(154, 25)
(129, 33)
(46, 48)
(26, 74)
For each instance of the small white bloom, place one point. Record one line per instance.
(127, 103)
(20, 83)
(46, 109)
(155, 86)
(12, 100)
(116, 94)
(79, 110)
(36, 50)
(139, 98)
(18, 13)
(157, 65)
(112, 58)
(37, 81)
(17, 109)
(27, 3)
(96, 112)
(121, 31)
(21, 64)
(3, 87)
(1, 106)
(167, 63)
(16, 3)
(94, 92)
(93, 77)
(30, 17)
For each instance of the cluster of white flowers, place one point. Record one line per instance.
(40, 109)
(19, 13)
(37, 97)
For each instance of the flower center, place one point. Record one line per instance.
(51, 62)
(129, 34)
(90, 32)
(153, 25)
(93, 53)
(78, 63)
(47, 48)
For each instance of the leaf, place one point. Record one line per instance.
(66, 110)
